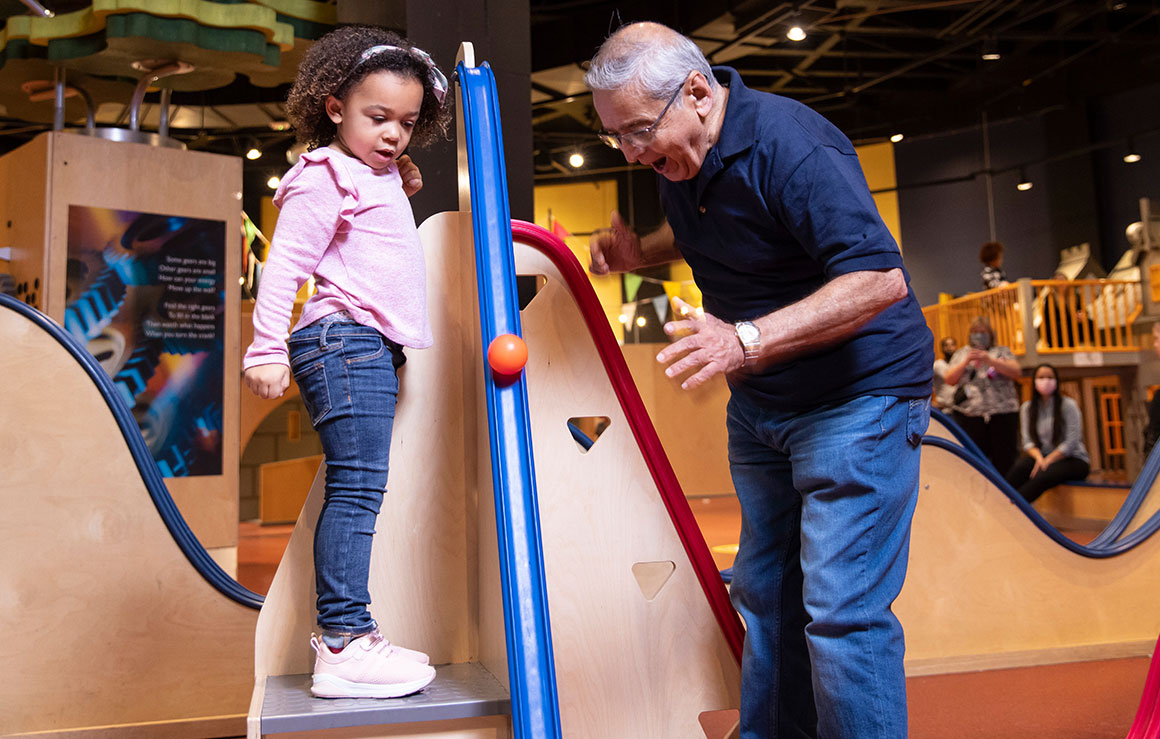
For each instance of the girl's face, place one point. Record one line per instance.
(376, 120)
(1045, 382)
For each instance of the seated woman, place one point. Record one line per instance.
(1052, 439)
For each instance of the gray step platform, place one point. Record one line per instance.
(458, 691)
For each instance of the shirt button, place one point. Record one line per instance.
(702, 209)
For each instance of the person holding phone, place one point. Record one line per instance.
(986, 401)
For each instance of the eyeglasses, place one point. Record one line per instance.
(643, 137)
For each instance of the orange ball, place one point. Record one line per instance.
(507, 354)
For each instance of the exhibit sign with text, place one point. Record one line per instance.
(146, 294)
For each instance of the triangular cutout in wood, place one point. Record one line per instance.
(528, 287)
(652, 576)
(725, 724)
(586, 430)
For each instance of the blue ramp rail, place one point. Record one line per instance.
(532, 672)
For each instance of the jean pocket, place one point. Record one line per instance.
(917, 420)
(306, 349)
(362, 347)
(314, 389)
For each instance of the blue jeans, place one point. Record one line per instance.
(826, 502)
(346, 373)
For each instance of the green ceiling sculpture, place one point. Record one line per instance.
(97, 46)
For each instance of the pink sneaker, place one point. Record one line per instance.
(369, 667)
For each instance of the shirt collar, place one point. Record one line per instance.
(737, 128)
(739, 125)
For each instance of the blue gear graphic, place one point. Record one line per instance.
(134, 376)
(95, 308)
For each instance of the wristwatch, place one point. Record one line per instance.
(750, 337)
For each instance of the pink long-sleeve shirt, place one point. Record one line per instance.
(353, 229)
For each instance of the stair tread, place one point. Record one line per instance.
(459, 691)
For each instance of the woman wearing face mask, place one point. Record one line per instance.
(1052, 439)
(986, 402)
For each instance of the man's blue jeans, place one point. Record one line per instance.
(346, 373)
(826, 502)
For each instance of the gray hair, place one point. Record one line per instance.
(655, 67)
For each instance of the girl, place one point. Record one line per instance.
(1052, 439)
(361, 95)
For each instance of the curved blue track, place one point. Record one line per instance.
(150, 474)
(1110, 542)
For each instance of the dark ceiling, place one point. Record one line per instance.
(873, 67)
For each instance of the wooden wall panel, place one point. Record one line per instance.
(124, 629)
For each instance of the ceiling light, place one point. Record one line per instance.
(990, 51)
(38, 9)
(1024, 184)
(1133, 155)
(576, 160)
(253, 153)
(796, 33)
(273, 182)
(896, 138)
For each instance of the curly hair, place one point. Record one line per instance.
(990, 252)
(329, 68)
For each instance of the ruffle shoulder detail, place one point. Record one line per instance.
(339, 168)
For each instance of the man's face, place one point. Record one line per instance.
(675, 147)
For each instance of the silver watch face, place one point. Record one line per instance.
(747, 332)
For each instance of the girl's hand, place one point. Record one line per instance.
(268, 380)
(410, 174)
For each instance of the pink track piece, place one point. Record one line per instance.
(1147, 723)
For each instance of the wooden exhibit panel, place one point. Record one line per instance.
(987, 589)
(283, 487)
(937, 428)
(1082, 503)
(690, 423)
(424, 584)
(638, 650)
(126, 632)
(24, 174)
(58, 170)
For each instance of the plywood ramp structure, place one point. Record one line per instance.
(638, 650)
(987, 587)
(112, 630)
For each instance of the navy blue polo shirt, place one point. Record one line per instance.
(780, 207)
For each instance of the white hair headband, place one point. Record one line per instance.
(438, 81)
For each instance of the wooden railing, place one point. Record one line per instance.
(1001, 306)
(1086, 315)
(1060, 315)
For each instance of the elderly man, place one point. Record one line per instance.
(809, 314)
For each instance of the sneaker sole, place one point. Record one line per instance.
(329, 686)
